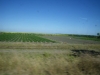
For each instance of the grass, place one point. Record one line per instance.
(29, 45)
(86, 37)
(48, 64)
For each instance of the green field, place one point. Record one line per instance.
(22, 37)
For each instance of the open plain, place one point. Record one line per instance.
(48, 55)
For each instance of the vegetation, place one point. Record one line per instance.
(86, 37)
(20, 56)
(15, 63)
(22, 37)
(98, 35)
(38, 45)
(32, 37)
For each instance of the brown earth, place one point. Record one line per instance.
(70, 40)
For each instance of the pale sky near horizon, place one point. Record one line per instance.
(50, 16)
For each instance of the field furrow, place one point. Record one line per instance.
(22, 37)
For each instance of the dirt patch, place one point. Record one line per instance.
(80, 52)
(70, 40)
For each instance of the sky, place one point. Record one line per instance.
(50, 16)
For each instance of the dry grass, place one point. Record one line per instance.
(85, 65)
(32, 45)
(15, 63)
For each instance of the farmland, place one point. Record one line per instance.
(32, 37)
(43, 54)
(73, 39)
(22, 37)
(86, 37)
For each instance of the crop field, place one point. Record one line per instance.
(22, 37)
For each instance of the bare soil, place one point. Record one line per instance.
(70, 40)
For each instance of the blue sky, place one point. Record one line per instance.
(50, 16)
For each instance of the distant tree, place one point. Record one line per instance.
(98, 35)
